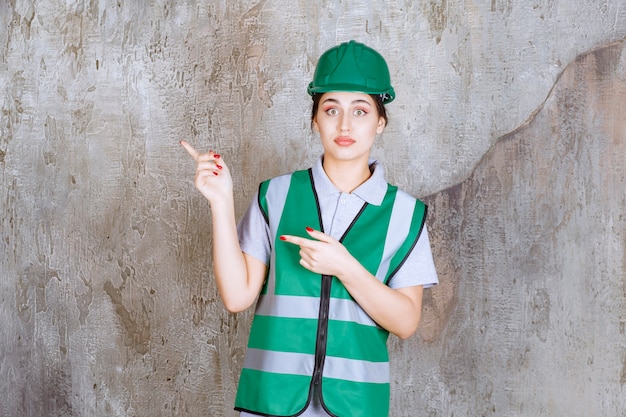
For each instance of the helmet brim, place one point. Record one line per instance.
(387, 95)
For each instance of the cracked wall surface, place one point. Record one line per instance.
(530, 317)
(509, 122)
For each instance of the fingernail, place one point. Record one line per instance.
(218, 166)
(216, 155)
(215, 173)
(309, 229)
(283, 238)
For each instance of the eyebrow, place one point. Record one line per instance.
(357, 101)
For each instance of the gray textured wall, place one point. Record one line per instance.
(509, 121)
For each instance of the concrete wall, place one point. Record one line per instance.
(509, 122)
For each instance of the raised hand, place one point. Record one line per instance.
(213, 178)
(239, 276)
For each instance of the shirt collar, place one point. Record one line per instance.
(372, 191)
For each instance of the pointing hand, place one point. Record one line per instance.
(213, 178)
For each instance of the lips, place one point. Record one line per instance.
(344, 141)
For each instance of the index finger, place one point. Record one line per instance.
(296, 240)
(190, 150)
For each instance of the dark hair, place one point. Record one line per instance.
(378, 100)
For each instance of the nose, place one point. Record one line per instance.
(344, 123)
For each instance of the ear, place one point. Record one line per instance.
(315, 126)
(381, 125)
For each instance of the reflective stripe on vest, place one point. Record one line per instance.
(308, 330)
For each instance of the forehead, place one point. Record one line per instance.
(347, 98)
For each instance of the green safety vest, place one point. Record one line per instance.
(307, 329)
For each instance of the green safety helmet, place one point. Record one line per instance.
(352, 67)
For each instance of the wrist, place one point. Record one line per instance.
(352, 272)
(222, 205)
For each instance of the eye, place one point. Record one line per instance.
(360, 112)
(332, 111)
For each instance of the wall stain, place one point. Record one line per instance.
(437, 15)
(71, 31)
(84, 300)
(137, 335)
(623, 376)
(606, 60)
(13, 114)
(199, 304)
(81, 117)
(23, 296)
(253, 58)
(540, 314)
(501, 7)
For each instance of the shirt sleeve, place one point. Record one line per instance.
(419, 267)
(254, 233)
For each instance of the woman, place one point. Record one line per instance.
(337, 257)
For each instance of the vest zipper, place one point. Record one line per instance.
(322, 330)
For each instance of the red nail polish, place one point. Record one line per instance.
(216, 155)
(215, 173)
(309, 229)
(283, 238)
(218, 166)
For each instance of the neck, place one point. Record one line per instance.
(347, 176)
